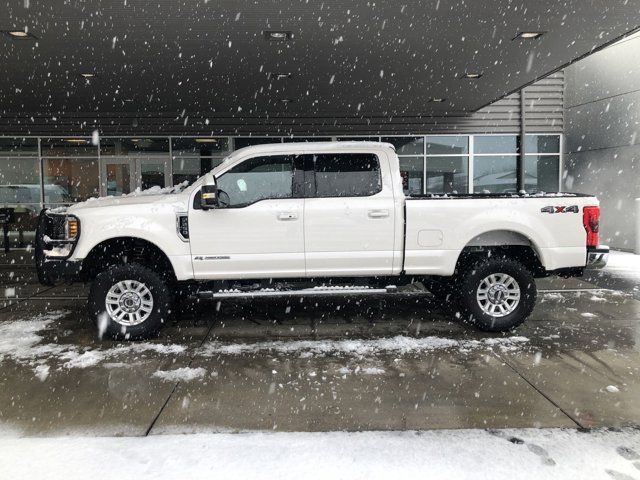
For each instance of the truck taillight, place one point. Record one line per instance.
(591, 222)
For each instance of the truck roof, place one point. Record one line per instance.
(296, 147)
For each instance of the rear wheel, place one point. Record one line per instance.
(496, 294)
(129, 302)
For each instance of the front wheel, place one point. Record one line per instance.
(129, 302)
(497, 295)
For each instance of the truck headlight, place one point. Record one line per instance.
(71, 228)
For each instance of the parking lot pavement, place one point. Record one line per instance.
(363, 363)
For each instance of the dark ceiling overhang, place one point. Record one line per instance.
(345, 61)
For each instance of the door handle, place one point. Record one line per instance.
(378, 213)
(286, 216)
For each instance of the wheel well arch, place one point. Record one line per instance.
(123, 250)
(504, 243)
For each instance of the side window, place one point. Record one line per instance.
(347, 175)
(259, 178)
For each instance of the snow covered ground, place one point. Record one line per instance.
(444, 454)
(624, 264)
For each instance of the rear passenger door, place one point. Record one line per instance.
(348, 215)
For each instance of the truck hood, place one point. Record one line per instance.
(179, 201)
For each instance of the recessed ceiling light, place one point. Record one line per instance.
(206, 140)
(437, 100)
(529, 35)
(278, 35)
(286, 100)
(279, 76)
(471, 75)
(88, 75)
(20, 34)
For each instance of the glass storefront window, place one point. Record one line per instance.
(190, 169)
(20, 192)
(541, 173)
(134, 146)
(358, 139)
(447, 144)
(68, 180)
(203, 147)
(447, 174)
(406, 145)
(542, 144)
(118, 181)
(306, 139)
(68, 147)
(19, 146)
(151, 175)
(412, 173)
(495, 174)
(21, 171)
(496, 144)
(241, 142)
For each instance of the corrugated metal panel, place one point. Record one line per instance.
(544, 104)
(543, 110)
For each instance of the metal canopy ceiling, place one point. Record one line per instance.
(345, 59)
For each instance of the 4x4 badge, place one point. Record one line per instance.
(560, 209)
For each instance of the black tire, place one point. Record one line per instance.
(156, 316)
(469, 282)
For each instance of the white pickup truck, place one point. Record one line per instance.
(314, 219)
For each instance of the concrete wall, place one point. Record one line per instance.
(602, 136)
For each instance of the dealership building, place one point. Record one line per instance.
(465, 113)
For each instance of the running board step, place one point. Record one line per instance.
(305, 292)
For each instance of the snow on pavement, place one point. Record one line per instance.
(623, 264)
(22, 341)
(400, 345)
(439, 454)
(185, 374)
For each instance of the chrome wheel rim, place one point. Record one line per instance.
(129, 302)
(498, 294)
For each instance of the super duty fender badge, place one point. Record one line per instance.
(221, 257)
(560, 209)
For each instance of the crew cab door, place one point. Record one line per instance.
(349, 215)
(259, 233)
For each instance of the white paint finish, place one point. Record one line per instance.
(430, 261)
(564, 257)
(352, 235)
(334, 236)
(430, 238)
(182, 266)
(349, 263)
(262, 240)
(149, 217)
(462, 220)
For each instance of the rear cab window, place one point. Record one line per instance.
(346, 175)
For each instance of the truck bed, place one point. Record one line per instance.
(438, 227)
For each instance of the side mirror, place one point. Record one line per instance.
(209, 193)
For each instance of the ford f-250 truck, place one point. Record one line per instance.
(315, 219)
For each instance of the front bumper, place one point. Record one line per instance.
(52, 268)
(597, 257)
(53, 271)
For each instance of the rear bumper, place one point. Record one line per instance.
(597, 257)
